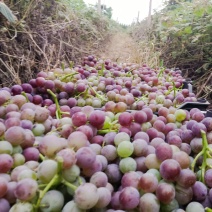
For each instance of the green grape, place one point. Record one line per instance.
(125, 149)
(127, 164)
(180, 115)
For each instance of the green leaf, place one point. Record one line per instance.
(188, 30)
(199, 12)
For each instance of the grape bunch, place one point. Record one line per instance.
(104, 137)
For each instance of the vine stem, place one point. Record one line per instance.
(65, 182)
(58, 112)
(42, 193)
(204, 152)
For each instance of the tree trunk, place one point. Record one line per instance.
(99, 7)
(150, 12)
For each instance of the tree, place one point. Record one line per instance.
(150, 13)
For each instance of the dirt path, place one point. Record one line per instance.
(121, 48)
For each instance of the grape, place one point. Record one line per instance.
(6, 147)
(121, 136)
(125, 119)
(173, 206)
(187, 136)
(165, 193)
(140, 117)
(183, 195)
(142, 135)
(33, 165)
(194, 207)
(196, 129)
(18, 159)
(27, 174)
(47, 170)
(174, 140)
(182, 158)
(113, 173)
(31, 153)
(127, 164)
(170, 169)
(15, 172)
(3, 186)
(51, 144)
(159, 125)
(71, 173)
(99, 179)
(130, 179)
(149, 202)
(196, 145)
(38, 129)
(155, 142)
(6, 163)
(79, 119)
(26, 189)
(77, 140)
(53, 201)
(15, 135)
(4, 205)
(163, 151)
(140, 147)
(72, 206)
(208, 123)
(198, 116)
(134, 128)
(18, 100)
(97, 118)
(29, 139)
(125, 149)
(152, 162)
(96, 148)
(129, 198)
(208, 178)
(41, 114)
(86, 200)
(104, 197)
(68, 157)
(180, 115)
(149, 114)
(199, 191)
(148, 183)
(186, 178)
(115, 203)
(94, 167)
(98, 139)
(85, 157)
(22, 206)
(109, 151)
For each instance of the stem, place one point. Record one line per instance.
(106, 131)
(58, 112)
(98, 95)
(195, 160)
(205, 150)
(53, 181)
(69, 185)
(68, 75)
(205, 147)
(24, 94)
(41, 157)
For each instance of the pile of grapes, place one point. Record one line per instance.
(104, 137)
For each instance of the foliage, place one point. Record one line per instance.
(184, 36)
(47, 34)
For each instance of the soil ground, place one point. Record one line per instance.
(120, 48)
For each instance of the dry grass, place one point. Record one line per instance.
(47, 34)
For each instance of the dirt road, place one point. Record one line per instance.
(121, 48)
